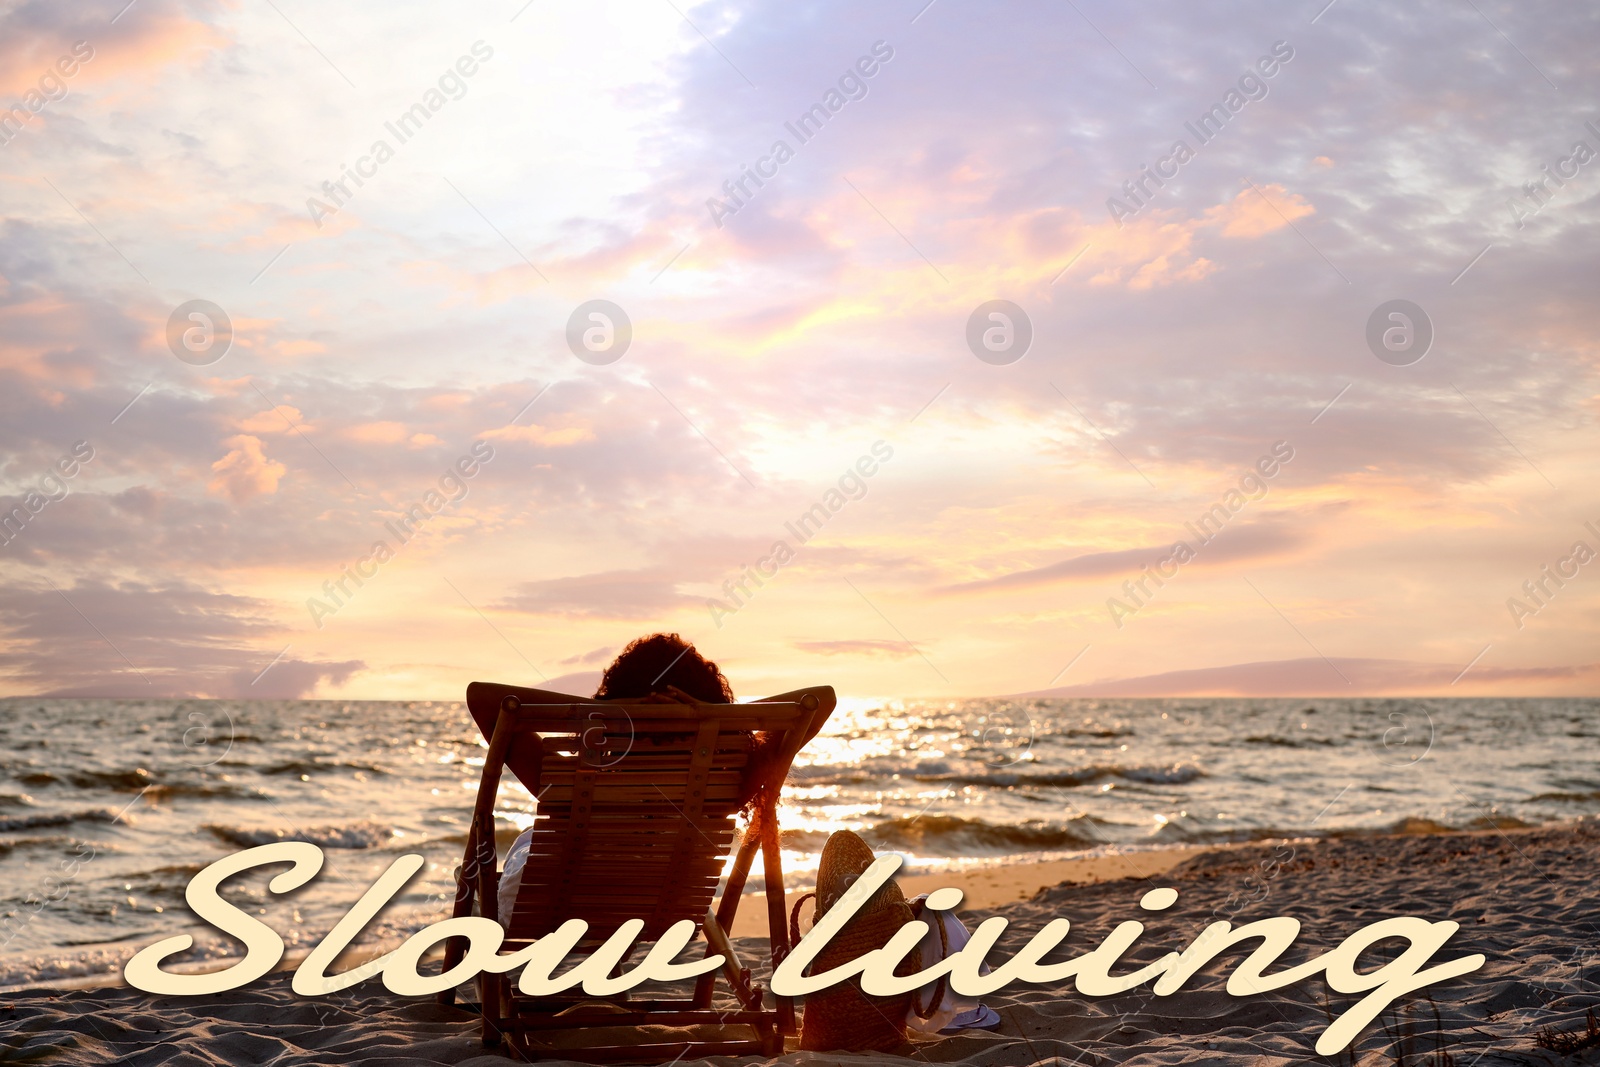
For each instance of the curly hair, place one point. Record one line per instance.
(650, 664)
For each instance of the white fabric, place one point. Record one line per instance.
(511, 875)
(956, 1012)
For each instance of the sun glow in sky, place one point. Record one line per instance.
(397, 314)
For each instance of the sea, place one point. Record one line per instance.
(109, 807)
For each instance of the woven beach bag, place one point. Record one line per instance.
(842, 1017)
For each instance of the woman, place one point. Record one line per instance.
(658, 667)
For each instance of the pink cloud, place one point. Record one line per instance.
(245, 472)
(1255, 214)
(153, 34)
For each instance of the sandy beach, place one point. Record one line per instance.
(1523, 898)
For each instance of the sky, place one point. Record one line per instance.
(396, 218)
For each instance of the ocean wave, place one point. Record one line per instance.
(1195, 832)
(313, 766)
(504, 835)
(354, 835)
(1421, 824)
(1410, 824)
(949, 835)
(59, 818)
(27, 971)
(7, 847)
(124, 781)
(846, 774)
(941, 772)
(1499, 822)
(15, 800)
(1565, 798)
(211, 790)
(1176, 774)
(141, 780)
(1289, 740)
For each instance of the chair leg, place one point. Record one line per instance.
(454, 948)
(489, 1004)
(705, 986)
(778, 929)
(452, 958)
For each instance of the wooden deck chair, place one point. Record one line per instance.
(635, 819)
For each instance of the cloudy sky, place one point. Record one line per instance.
(399, 299)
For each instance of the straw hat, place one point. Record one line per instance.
(842, 1017)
